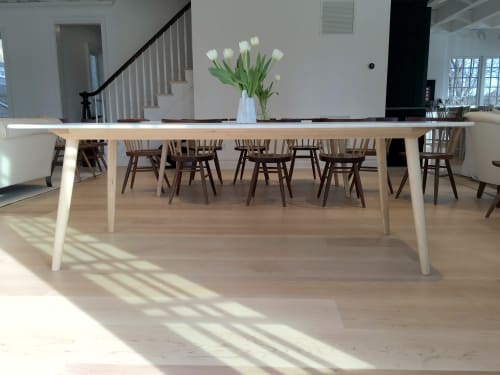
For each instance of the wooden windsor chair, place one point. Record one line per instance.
(311, 148)
(88, 151)
(217, 146)
(371, 152)
(342, 156)
(137, 150)
(193, 157)
(439, 147)
(496, 201)
(269, 156)
(243, 150)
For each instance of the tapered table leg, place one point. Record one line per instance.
(382, 182)
(67, 180)
(111, 185)
(161, 169)
(417, 200)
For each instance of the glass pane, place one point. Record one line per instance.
(463, 80)
(4, 102)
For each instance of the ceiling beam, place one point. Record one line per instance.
(436, 3)
(479, 15)
(451, 9)
(493, 22)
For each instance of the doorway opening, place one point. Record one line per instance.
(79, 52)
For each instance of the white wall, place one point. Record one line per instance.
(444, 46)
(29, 38)
(321, 75)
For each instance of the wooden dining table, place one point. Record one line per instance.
(113, 132)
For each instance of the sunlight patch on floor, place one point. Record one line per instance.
(229, 332)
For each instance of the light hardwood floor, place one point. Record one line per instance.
(227, 289)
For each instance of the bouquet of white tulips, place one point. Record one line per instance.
(245, 76)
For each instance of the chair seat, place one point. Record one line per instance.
(436, 155)
(153, 152)
(342, 158)
(270, 158)
(244, 148)
(305, 148)
(193, 158)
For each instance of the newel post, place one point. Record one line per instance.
(86, 114)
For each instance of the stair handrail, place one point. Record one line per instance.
(86, 95)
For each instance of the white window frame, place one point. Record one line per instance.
(497, 102)
(451, 99)
(481, 79)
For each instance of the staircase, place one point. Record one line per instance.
(155, 83)
(176, 105)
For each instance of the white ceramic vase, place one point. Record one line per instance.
(246, 110)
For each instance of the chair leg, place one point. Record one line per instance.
(292, 164)
(389, 183)
(266, 173)
(323, 178)
(103, 159)
(359, 186)
(253, 183)
(402, 184)
(287, 179)
(154, 168)
(480, 189)
(165, 177)
(437, 166)
(328, 183)
(210, 177)
(175, 182)
(217, 167)
(87, 162)
(282, 186)
(498, 193)
(134, 171)
(245, 154)
(178, 186)
(127, 173)
(495, 203)
(424, 176)
(203, 182)
(452, 179)
(54, 161)
(311, 156)
(95, 152)
(316, 162)
(238, 165)
(193, 172)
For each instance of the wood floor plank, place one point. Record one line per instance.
(190, 288)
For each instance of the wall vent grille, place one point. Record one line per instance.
(337, 17)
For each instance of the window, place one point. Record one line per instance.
(491, 86)
(4, 102)
(463, 80)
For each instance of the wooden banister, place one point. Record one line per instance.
(85, 95)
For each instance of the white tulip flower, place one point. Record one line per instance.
(228, 54)
(277, 55)
(277, 77)
(245, 47)
(255, 41)
(212, 55)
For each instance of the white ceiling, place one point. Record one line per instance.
(459, 15)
